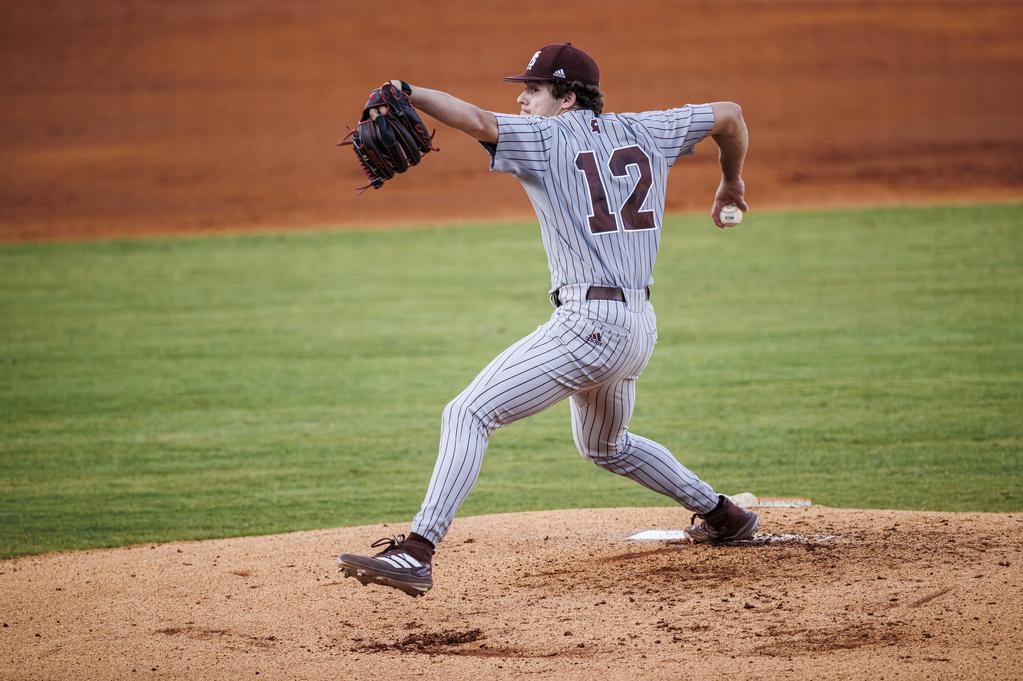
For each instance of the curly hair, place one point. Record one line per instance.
(586, 96)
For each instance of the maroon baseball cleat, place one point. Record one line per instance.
(727, 522)
(404, 564)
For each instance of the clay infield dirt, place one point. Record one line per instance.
(561, 595)
(126, 118)
(140, 117)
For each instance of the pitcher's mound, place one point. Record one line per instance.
(560, 595)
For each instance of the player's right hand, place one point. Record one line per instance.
(729, 191)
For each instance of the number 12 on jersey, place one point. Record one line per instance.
(602, 217)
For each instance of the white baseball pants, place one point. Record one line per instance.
(591, 351)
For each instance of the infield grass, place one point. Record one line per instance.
(202, 387)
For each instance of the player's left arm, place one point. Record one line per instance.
(452, 111)
(732, 137)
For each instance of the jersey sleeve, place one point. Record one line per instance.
(523, 145)
(676, 131)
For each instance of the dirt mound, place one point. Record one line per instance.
(871, 594)
(134, 117)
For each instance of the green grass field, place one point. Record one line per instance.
(202, 387)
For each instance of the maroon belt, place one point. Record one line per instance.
(601, 293)
(605, 293)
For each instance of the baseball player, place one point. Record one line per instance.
(597, 182)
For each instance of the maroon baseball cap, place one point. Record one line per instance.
(560, 61)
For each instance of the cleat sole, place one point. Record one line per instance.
(366, 578)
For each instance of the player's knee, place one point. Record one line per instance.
(596, 451)
(454, 410)
(461, 410)
(449, 410)
(583, 446)
(611, 454)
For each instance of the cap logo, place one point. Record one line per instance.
(533, 60)
(560, 73)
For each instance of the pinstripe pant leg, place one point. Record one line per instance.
(599, 420)
(523, 380)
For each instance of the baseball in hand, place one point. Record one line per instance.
(730, 214)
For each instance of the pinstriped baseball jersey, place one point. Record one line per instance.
(597, 184)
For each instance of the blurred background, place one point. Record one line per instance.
(128, 117)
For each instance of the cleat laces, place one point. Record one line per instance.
(391, 543)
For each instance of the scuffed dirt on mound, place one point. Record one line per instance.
(427, 642)
(856, 594)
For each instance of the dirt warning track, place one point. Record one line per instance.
(868, 594)
(123, 118)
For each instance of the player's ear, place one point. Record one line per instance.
(568, 101)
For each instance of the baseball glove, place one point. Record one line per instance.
(392, 142)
